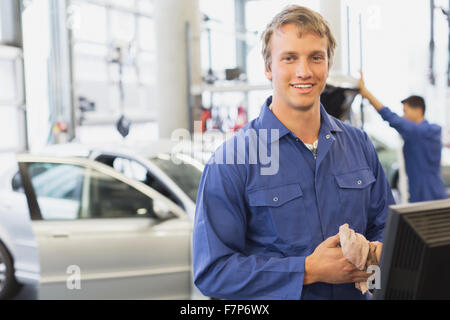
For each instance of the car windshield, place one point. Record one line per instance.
(185, 173)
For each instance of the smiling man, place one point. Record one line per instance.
(276, 236)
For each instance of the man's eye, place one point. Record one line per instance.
(288, 59)
(318, 58)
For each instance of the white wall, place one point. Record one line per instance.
(396, 38)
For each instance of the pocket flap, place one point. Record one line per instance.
(275, 196)
(359, 179)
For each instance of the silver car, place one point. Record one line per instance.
(81, 222)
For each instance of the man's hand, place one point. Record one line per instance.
(378, 249)
(365, 93)
(328, 264)
(362, 87)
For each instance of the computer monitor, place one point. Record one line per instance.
(415, 261)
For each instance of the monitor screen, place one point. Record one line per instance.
(415, 262)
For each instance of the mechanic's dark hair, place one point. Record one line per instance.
(415, 102)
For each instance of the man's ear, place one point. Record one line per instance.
(268, 74)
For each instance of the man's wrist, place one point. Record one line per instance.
(374, 101)
(308, 277)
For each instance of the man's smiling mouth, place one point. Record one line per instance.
(302, 86)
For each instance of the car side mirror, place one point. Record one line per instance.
(161, 209)
(17, 182)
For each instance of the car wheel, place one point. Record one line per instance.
(8, 283)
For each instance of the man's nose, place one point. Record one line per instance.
(303, 69)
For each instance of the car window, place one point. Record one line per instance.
(59, 181)
(58, 189)
(112, 198)
(131, 169)
(185, 175)
(136, 171)
(70, 192)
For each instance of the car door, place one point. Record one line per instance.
(99, 236)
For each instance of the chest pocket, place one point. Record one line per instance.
(274, 197)
(278, 216)
(360, 179)
(354, 197)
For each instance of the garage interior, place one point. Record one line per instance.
(108, 89)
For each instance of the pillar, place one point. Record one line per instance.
(176, 68)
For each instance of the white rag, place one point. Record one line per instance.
(359, 251)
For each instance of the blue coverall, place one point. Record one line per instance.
(252, 231)
(422, 152)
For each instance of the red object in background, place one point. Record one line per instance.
(206, 114)
(62, 126)
(59, 127)
(241, 119)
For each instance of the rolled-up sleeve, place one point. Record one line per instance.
(381, 196)
(403, 126)
(223, 265)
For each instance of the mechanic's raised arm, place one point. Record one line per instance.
(404, 126)
(365, 93)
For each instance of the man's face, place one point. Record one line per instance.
(406, 111)
(299, 68)
(410, 113)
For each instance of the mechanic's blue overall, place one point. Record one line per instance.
(252, 232)
(422, 152)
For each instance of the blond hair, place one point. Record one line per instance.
(306, 20)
